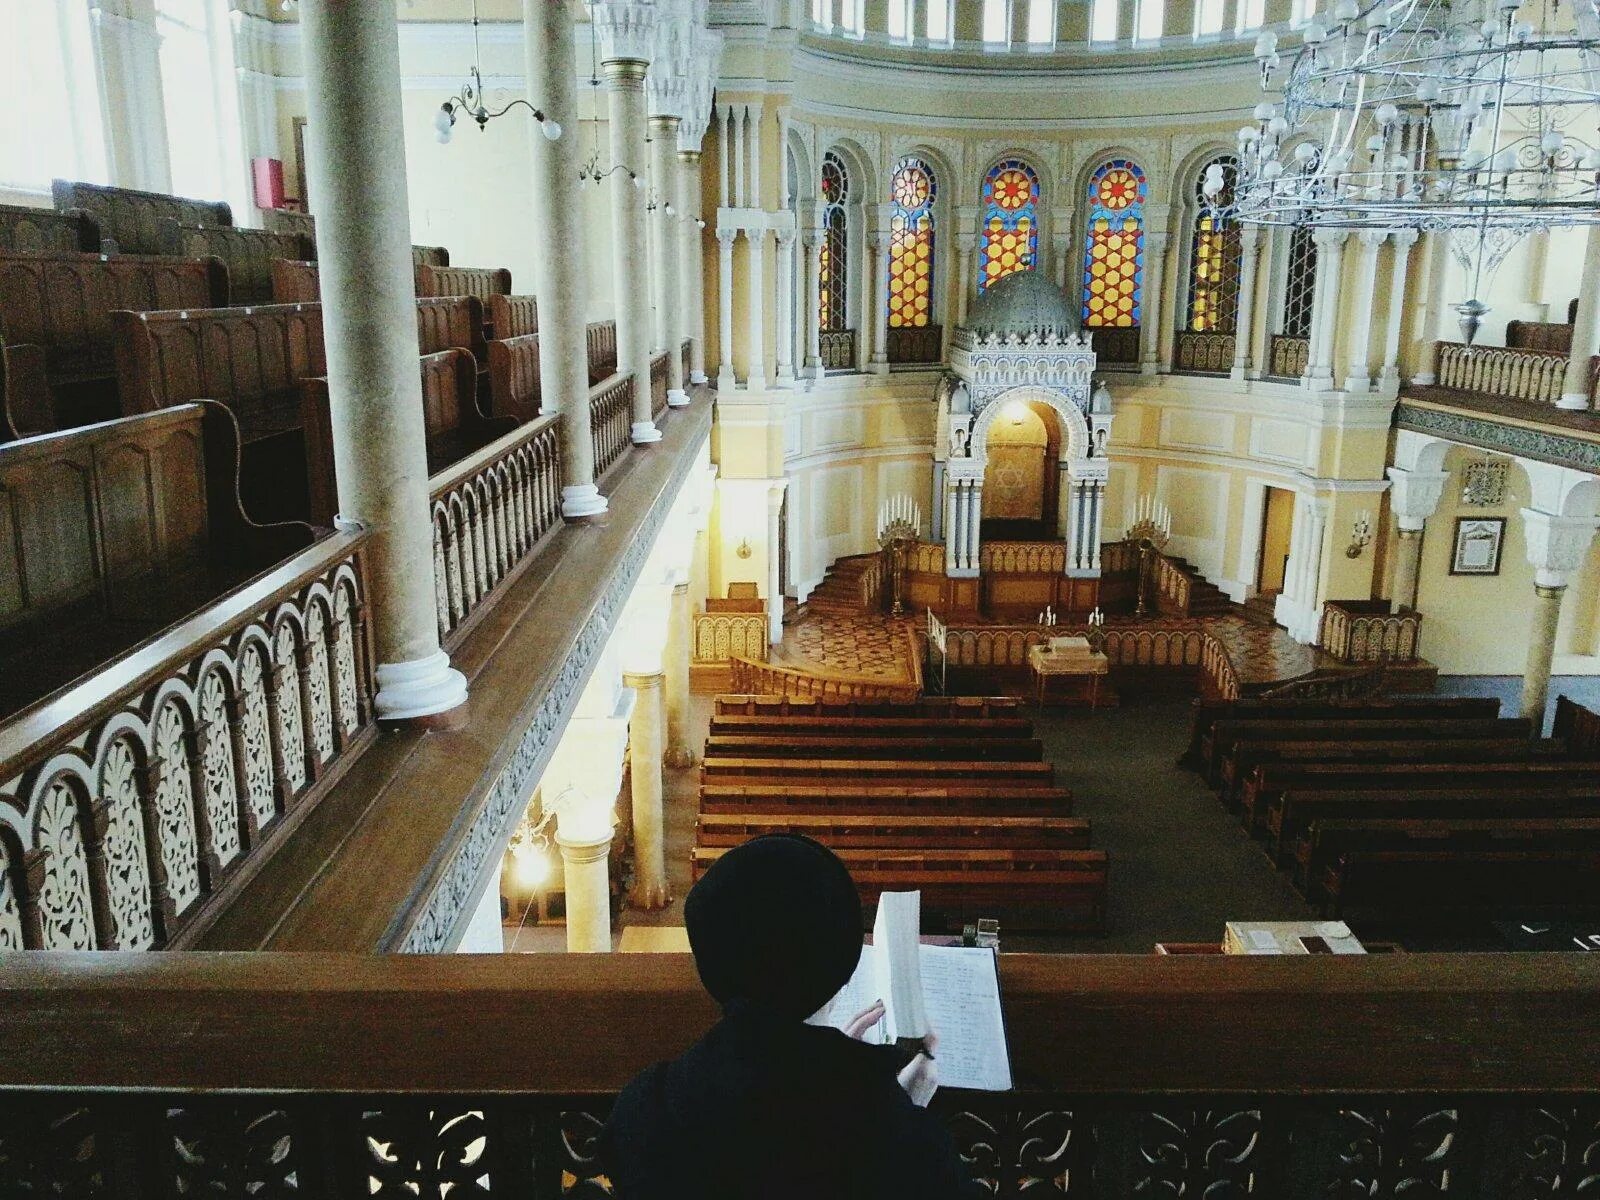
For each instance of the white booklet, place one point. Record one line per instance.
(952, 990)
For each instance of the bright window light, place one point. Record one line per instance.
(49, 94)
(1251, 15)
(201, 98)
(1041, 22)
(1207, 17)
(1149, 26)
(996, 22)
(850, 16)
(938, 22)
(1103, 21)
(822, 13)
(897, 20)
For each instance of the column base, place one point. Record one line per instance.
(878, 366)
(698, 378)
(1389, 382)
(1236, 373)
(1423, 378)
(423, 687)
(1149, 368)
(677, 398)
(1317, 383)
(1357, 384)
(645, 432)
(962, 573)
(725, 381)
(582, 500)
(680, 757)
(1573, 401)
(649, 897)
(785, 377)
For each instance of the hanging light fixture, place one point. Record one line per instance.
(592, 171)
(470, 100)
(1476, 120)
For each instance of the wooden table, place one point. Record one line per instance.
(1046, 664)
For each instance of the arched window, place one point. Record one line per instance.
(1113, 256)
(911, 245)
(835, 273)
(1289, 346)
(1010, 221)
(1214, 255)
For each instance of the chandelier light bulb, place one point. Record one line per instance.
(1387, 115)
(670, 211)
(442, 136)
(550, 129)
(1315, 33)
(1345, 11)
(699, 224)
(1214, 181)
(1264, 112)
(1272, 169)
(1376, 143)
(1304, 152)
(444, 120)
(1522, 30)
(1428, 91)
(1552, 142)
(1266, 44)
(638, 181)
(1277, 127)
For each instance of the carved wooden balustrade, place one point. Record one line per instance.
(1533, 375)
(1365, 631)
(1023, 558)
(1203, 352)
(1173, 586)
(1379, 1076)
(132, 801)
(658, 385)
(770, 679)
(490, 512)
(838, 349)
(719, 637)
(1287, 357)
(1170, 586)
(611, 421)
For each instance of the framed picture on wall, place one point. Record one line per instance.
(1477, 545)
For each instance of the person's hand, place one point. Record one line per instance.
(859, 1025)
(920, 1077)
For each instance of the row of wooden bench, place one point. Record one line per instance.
(1411, 804)
(950, 797)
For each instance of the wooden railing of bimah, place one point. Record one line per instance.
(1384, 1076)
(1365, 631)
(1203, 352)
(719, 637)
(919, 344)
(1579, 726)
(1023, 558)
(1116, 345)
(765, 679)
(131, 802)
(1533, 375)
(611, 421)
(1171, 585)
(491, 511)
(838, 349)
(1287, 357)
(658, 385)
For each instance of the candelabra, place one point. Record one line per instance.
(1360, 536)
(899, 520)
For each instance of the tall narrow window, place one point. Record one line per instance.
(1149, 25)
(47, 88)
(1251, 15)
(1010, 221)
(1299, 282)
(1207, 17)
(996, 22)
(835, 273)
(912, 192)
(1103, 20)
(897, 21)
(938, 22)
(200, 93)
(1041, 22)
(1113, 259)
(1214, 253)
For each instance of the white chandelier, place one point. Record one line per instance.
(1479, 119)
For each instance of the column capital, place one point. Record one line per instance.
(1371, 239)
(1414, 496)
(1404, 239)
(627, 31)
(664, 125)
(644, 681)
(1330, 237)
(775, 490)
(727, 235)
(1556, 545)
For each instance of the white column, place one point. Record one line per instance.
(813, 311)
(645, 753)
(1325, 309)
(560, 279)
(1244, 315)
(724, 150)
(966, 243)
(785, 332)
(1425, 320)
(692, 284)
(880, 301)
(974, 523)
(1155, 243)
(755, 279)
(1316, 546)
(1358, 374)
(679, 652)
(128, 55)
(1413, 498)
(1556, 547)
(775, 561)
(587, 889)
(357, 164)
(667, 265)
(1097, 505)
(741, 193)
(1389, 377)
(725, 240)
(1585, 327)
(756, 198)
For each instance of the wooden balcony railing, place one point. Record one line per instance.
(611, 421)
(1380, 1076)
(1287, 357)
(1365, 631)
(838, 349)
(131, 801)
(1203, 353)
(490, 512)
(719, 637)
(658, 385)
(916, 345)
(1533, 375)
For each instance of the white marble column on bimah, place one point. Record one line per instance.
(1399, 265)
(666, 267)
(1244, 313)
(784, 341)
(1155, 257)
(1585, 327)
(775, 560)
(1325, 307)
(675, 663)
(1358, 371)
(880, 300)
(963, 514)
(1556, 548)
(755, 279)
(586, 883)
(756, 197)
(645, 754)
(560, 278)
(357, 166)
(626, 31)
(1413, 497)
(1425, 316)
(812, 238)
(725, 239)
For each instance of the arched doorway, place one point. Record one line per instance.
(1021, 480)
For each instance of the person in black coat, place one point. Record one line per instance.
(765, 1105)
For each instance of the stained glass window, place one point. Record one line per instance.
(1214, 252)
(835, 273)
(1010, 221)
(911, 245)
(1298, 284)
(1113, 258)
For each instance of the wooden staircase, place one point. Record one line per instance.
(846, 587)
(1206, 599)
(1261, 609)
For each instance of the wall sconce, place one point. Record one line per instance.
(1360, 536)
(742, 550)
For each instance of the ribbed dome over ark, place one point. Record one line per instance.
(1021, 303)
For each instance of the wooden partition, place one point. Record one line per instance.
(248, 254)
(131, 221)
(448, 322)
(430, 256)
(601, 337)
(45, 229)
(514, 376)
(481, 282)
(513, 316)
(56, 310)
(295, 282)
(286, 220)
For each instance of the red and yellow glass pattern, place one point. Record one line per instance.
(1214, 257)
(911, 246)
(1010, 221)
(1113, 263)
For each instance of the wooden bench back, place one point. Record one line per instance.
(448, 322)
(481, 282)
(866, 768)
(513, 316)
(449, 388)
(248, 254)
(295, 282)
(849, 727)
(130, 221)
(430, 256)
(285, 220)
(46, 230)
(601, 340)
(908, 830)
(514, 376)
(776, 745)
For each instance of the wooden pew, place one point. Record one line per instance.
(1028, 889)
(56, 326)
(892, 727)
(44, 230)
(130, 221)
(514, 376)
(113, 531)
(969, 707)
(247, 253)
(822, 769)
(803, 746)
(911, 831)
(512, 316)
(451, 322)
(295, 282)
(287, 220)
(601, 337)
(1204, 712)
(481, 282)
(430, 256)
(971, 800)
(250, 359)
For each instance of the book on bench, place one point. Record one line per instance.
(952, 991)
